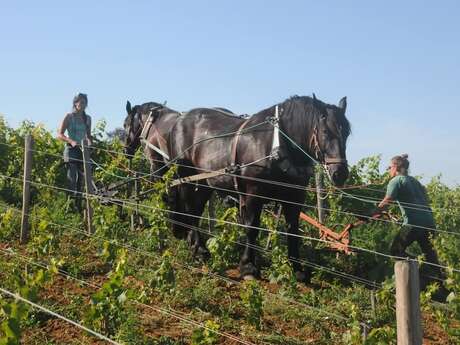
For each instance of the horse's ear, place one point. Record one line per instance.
(128, 107)
(315, 100)
(343, 104)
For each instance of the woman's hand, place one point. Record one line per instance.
(73, 143)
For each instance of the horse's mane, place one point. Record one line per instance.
(312, 107)
(220, 110)
(145, 107)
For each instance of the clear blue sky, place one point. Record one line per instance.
(398, 63)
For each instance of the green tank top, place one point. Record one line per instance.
(76, 127)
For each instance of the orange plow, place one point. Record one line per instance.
(339, 241)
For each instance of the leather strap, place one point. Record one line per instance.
(234, 151)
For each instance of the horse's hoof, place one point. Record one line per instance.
(204, 253)
(179, 234)
(303, 277)
(248, 270)
(249, 277)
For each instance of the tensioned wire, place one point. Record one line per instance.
(259, 248)
(304, 205)
(240, 225)
(170, 312)
(232, 223)
(143, 176)
(362, 198)
(59, 316)
(279, 200)
(368, 199)
(239, 176)
(227, 279)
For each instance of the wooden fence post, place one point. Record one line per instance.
(29, 142)
(88, 185)
(373, 303)
(408, 320)
(137, 190)
(135, 213)
(319, 194)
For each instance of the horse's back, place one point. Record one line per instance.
(204, 136)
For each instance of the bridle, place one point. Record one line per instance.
(314, 147)
(143, 126)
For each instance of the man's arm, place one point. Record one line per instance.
(385, 202)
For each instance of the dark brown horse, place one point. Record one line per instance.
(150, 124)
(308, 130)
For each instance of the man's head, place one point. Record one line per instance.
(399, 165)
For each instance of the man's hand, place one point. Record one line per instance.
(73, 143)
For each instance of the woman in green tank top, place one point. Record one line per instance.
(77, 124)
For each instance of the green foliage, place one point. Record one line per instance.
(353, 335)
(15, 312)
(253, 301)
(109, 252)
(164, 279)
(157, 238)
(108, 224)
(106, 312)
(280, 270)
(9, 224)
(206, 335)
(222, 245)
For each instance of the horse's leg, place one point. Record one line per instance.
(178, 197)
(291, 214)
(176, 205)
(194, 205)
(251, 208)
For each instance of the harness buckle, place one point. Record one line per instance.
(273, 120)
(233, 168)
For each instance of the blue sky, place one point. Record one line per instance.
(397, 62)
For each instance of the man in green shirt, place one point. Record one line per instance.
(418, 222)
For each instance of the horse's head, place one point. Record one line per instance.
(135, 121)
(329, 139)
(132, 128)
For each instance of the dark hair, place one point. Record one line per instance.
(402, 163)
(79, 97)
